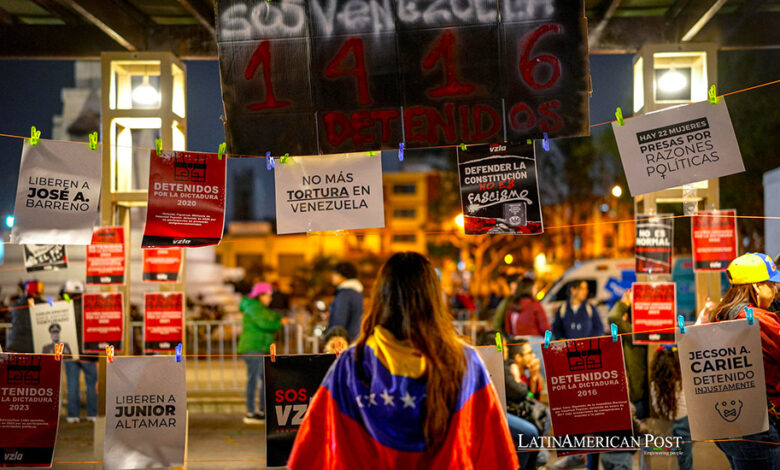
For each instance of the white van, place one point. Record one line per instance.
(607, 280)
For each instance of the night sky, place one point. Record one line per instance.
(31, 96)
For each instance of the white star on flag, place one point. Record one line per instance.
(371, 400)
(357, 398)
(387, 398)
(408, 401)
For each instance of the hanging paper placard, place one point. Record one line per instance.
(54, 324)
(163, 321)
(337, 192)
(162, 264)
(146, 413)
(106, 256)
(186, 199)
(678, 146)
(102, 321)
(58, 194)
(653, 312)
(714, 239)
(44, 257)
(29, 409)
(499, 190)
(654, 237)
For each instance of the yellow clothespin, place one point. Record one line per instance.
(463, 146)
(35, 136)
(221, 150)
(712, 94)
(158, 146)
(58, 348)
(619, 116)
(284, 158)
(93, 141)
(498, 342)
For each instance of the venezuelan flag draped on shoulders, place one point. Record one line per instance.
(350, 425)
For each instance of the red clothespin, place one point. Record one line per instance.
(58, 348)
(110, 354)
(273, 352)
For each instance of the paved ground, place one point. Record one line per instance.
(223, 441)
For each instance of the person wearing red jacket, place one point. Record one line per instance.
(754, 279)
(522, 314)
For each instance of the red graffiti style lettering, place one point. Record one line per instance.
(262, 56)
(336, 68)
(412, 123)
(514, 117)
(480, 112)
(551, 121)
(528, 65)
(361, 127)
(436, 122)
(444, 51)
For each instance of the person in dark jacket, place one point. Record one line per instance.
(85, 363)
(257, 334)
(20, 338)
(577, 318)
(346, 310)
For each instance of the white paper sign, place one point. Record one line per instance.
(146, 413)
(334, 192)
(678, 146)
(494, 363)
(54, 324)
(58, 193)
(723, 379)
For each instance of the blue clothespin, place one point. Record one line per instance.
(546, 143)
(179, 350)
(51, 301)
(619, 116)
(547, 338)
(681, 322)
(158, 146)
(401, 151)
(35, 136)
(613, 327)
(221, 150)
(749, 315)
(269, 161)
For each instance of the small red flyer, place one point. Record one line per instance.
(106, 256)
(186, 205)
(714, 239)
(29, 409)
(162, 264)
(654, 308)
(588, 393)
(102, 321)
(163, 321)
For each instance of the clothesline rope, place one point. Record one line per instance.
(233, 155)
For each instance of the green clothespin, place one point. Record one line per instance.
(283, 158)
(158, 146)
(463, 146)
(93, 137)
(498, 342)
(713, 96)
(529, 141)
(66, 297)
(370, 153)
(619, 116)
(35, 136)
(221, 150)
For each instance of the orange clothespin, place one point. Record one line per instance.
(338, 350)
(110, 354)
(58, 348)
(30, 302)
(273, 352)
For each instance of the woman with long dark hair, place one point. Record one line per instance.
(753, 279)
(408, 394)
(669, 401)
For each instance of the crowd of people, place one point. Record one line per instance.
(406, 334)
